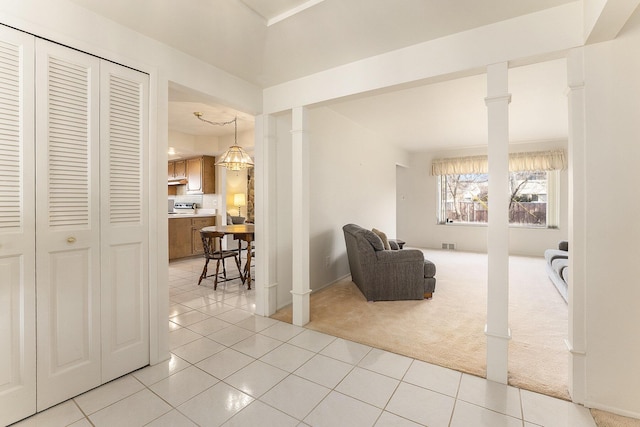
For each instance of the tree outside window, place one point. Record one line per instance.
(464, 198)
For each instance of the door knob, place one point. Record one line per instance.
(71, 239)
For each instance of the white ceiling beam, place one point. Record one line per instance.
(291, 12)
(534, 35)
(603, 19)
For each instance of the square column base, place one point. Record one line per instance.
(497, 357)
(301, 307)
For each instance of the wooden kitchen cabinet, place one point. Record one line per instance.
(179, 237)
(196, 226)
(180, 169)
(201, 175)
(177, 169)
(184, 235)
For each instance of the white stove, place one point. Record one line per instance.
(184, 208)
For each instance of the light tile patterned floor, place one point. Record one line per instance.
(229, 367)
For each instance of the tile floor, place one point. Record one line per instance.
(231, 368)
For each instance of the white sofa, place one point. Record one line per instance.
(558, 267)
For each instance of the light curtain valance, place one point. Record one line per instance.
(532, 161)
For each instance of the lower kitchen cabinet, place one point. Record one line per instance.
(196, 240)
(184, 236)
(179, 237)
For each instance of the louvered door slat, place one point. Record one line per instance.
(68, 143)
(124, 152)
(10, 137)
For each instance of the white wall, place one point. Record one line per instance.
(418, 225)
(352, 180)
(187, 145)
(236, 183)
(612, 91)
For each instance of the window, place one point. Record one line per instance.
(464, 198)
(533, 181)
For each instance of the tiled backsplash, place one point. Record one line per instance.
(204, 201)
(210, 201)
(194, 198)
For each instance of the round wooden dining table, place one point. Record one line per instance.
(240, 232)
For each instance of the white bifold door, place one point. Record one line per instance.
(86, 235)
(17, 228)
(67, 222)
(124, 221)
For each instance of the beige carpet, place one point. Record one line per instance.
(448, 330)
(607, 419)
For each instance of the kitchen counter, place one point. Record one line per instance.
(196, 215)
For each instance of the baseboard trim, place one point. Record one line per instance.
(339, 279)
(613, 410)
(572, 350)
(280, 307)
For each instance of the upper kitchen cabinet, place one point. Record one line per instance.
(177, 170)
(201, 175)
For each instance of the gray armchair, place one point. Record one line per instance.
(387, 274)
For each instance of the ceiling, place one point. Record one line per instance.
(268, 42)
(183, 102)
(235, 35)
(452, 114)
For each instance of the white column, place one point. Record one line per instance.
(265, 219)
(577, 227)
(497, 328)
(300, 216)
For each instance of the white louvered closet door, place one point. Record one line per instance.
(124, 223)
(17, 228)
(67, 223)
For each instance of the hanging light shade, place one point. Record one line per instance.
(235, 158)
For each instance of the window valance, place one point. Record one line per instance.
(532, 161)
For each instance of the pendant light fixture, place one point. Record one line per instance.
(235, 158)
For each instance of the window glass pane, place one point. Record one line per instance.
(528, 204)
(464, 198)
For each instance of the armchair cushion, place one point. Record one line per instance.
(429, 268)
(374, 239)
(383, 237)
(237, 219)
